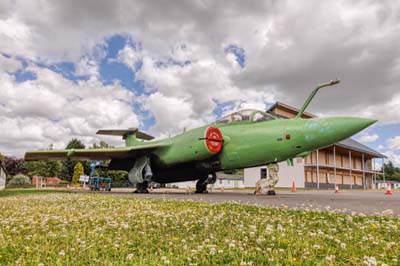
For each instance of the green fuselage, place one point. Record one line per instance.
(247, 144)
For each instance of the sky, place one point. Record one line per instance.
(69, 68)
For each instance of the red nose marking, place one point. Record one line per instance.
(287, 136)
(213, 139)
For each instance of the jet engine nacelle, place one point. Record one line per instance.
(194, 145)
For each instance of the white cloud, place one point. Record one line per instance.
(52, 109)
(393, 157)
(366, 138)
(173, 115)
(394, 143)
(287, 51)
(9, 65)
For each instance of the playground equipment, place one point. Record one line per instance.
(102, 181)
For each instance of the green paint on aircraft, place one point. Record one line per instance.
(242, 139)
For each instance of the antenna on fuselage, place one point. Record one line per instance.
(307, 102)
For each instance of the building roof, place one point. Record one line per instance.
(347, 143)
(289, 108)
(357, 146)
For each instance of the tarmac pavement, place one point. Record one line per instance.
(366, 202)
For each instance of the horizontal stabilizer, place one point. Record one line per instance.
(125, 132)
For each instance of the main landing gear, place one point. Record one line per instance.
(141, 174)
(142, 187)
(201, 185)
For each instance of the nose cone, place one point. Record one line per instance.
(326, 131)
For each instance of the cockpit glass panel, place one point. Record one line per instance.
(259, 116)
(248, 115)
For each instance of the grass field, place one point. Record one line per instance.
(97, 229)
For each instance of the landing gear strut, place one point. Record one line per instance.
(201, 185)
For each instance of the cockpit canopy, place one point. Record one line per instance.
(247, 115)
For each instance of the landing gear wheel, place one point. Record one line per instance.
(142, 188)
(201, 186)
(271, 193)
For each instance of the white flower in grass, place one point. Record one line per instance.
(61, 253)
(370, 261)
(330, 258)
(129, 256)
(390, 244)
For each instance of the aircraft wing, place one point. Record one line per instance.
(92, 154)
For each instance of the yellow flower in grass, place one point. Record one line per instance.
(1, 256)
(373, 225)
(294, 259)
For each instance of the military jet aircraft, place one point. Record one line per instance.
(242, 139)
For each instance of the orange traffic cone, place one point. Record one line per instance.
(293, 187)
(336, 188)
(389, 189)
(222, 189)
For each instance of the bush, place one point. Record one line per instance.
(119, 178)
(63, 182)
(20, 180)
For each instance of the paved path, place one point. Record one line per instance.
(367, 202)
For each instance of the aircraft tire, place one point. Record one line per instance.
(201, 186)
(142, 188)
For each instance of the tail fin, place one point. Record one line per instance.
(129, 135)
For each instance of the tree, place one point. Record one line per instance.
(75, 144)
(102, 144)
(78, 171)
(20, 180)
(44, 168)
(389, 169)
(391, 172)
(14, 166)
(67, 169)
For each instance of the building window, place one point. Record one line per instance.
(263, 173)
